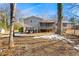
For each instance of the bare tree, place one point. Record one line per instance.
(59, 23)
(12, 18)
(4, 14)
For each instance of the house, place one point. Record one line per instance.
(37, 24)
(67, 25)
(76, 27)
(32, 24)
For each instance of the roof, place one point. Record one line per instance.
(28, 25)
(66, 22)
(33, 17)
(46, 21)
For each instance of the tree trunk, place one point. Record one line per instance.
(74, 29)
(59, 23)
(12, 18)
(5, 25)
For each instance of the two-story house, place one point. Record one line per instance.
(37, 24)
(32, 23)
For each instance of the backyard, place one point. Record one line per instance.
(34, 30)
(28, 46)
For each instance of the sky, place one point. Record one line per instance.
(45, 10)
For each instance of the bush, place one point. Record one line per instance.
(21, 29)
(17, 26)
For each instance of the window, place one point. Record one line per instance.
(64, 24)
(31, 21)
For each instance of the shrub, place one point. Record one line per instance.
(17, 26)
(21, 29)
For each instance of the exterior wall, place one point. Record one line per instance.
(77, 27)
(67, 28)
(67, 25)
(32, 22)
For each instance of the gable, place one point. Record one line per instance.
(33, 17)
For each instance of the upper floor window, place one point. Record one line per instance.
(31, 21)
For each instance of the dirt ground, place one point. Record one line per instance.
(27, 46)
